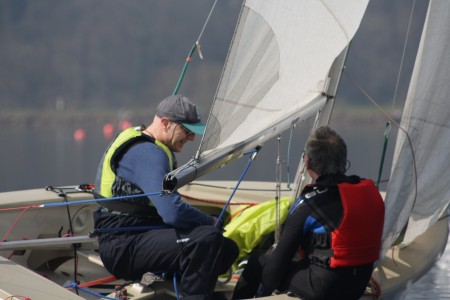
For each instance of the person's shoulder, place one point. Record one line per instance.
(315, 191)
(145, 149)
(353, 179)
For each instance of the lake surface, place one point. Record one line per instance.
(435, 284)
(37, 157)
(33, 157)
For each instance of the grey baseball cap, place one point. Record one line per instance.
(180, 109)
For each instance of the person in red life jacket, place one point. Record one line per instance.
(157, 233)
(332, 234)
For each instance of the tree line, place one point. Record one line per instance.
(108, 53)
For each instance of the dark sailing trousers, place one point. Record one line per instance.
(307, 281)
(198, 255)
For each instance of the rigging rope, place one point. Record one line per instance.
(191, 52)
(251, 159)
(74, 246)
(403, 55)
(230, 188)
(15, 222)
(278, 195)
(389, 117)
(288, 163)
(388, 125)
(75, 286)
(57, 204)
(383, 153)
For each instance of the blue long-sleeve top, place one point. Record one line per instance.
(145, 165)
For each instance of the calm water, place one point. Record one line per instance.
(35, 158)
(435, 284)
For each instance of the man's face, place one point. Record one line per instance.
(180, 136)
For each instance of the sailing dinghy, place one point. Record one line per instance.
(283, 67)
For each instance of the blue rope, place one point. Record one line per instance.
(137, 228)
(57, 204)
(75, 286)
(253, 152)
(175, 285)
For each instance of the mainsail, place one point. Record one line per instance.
(419, 189)
(276, 75)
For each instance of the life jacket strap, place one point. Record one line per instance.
(128, 208)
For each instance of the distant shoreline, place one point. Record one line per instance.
(36, 119)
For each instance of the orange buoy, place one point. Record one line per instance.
(124, 124)
(79, 135)
(108, 130)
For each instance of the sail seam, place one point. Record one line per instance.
(337, 20)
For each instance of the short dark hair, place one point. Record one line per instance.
(327, 152)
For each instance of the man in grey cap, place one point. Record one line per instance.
(172, 236)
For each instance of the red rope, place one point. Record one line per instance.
(20, 207)
(17, 296)
(377, 288)
(239, 212)
(107, 279)
(16, 220)
(248, 204)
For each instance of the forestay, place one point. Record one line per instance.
(419, 189)
(275, 75)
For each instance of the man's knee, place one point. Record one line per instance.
(230, 247)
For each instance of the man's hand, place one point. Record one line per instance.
(219, 224)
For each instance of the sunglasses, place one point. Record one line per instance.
(187, 131)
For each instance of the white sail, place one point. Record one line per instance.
(419, 189)
(276, 74)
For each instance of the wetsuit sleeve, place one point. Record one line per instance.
(281, 258)
(146, 165)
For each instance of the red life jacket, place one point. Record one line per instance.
(357, 240)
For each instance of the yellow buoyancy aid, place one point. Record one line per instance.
(123, 140)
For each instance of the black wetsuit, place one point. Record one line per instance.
(309, 277)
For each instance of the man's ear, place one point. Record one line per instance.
(165, 122)
(306, 162)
